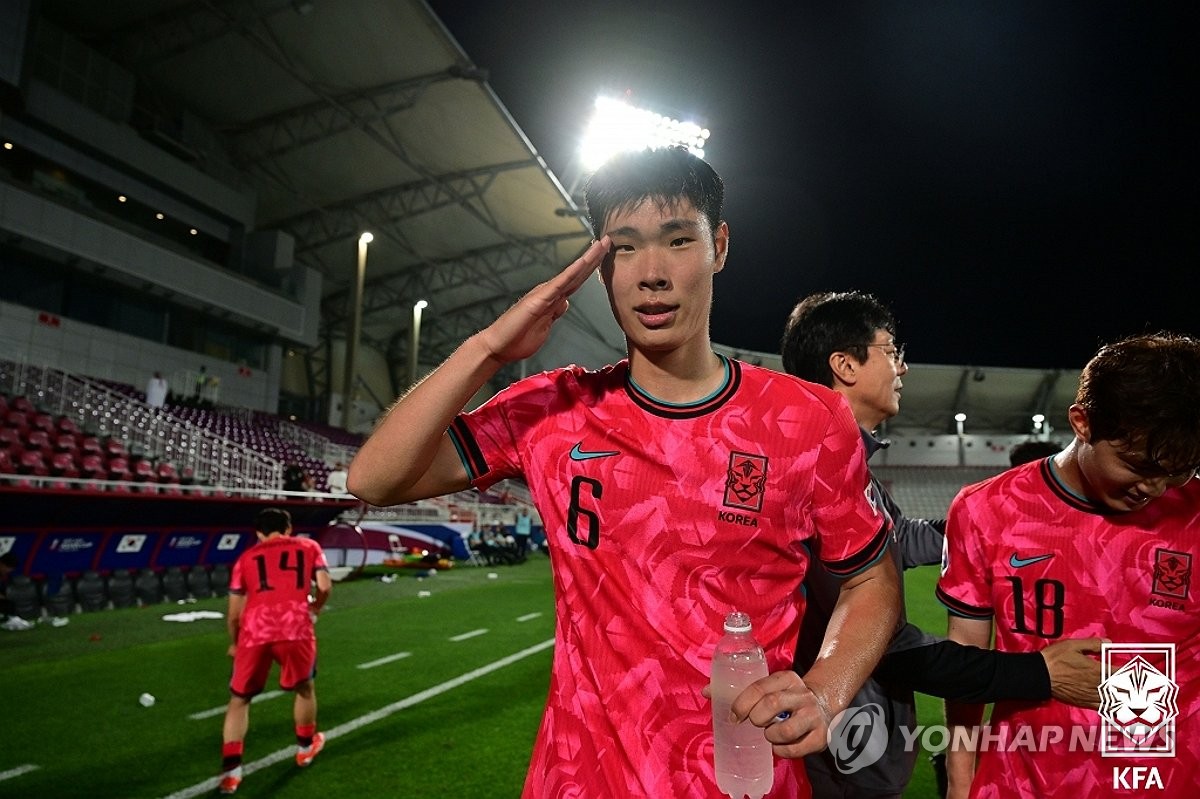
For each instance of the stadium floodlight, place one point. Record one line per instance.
(616, 126)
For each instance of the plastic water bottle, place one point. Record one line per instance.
(742, 756)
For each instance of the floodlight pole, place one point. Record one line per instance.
(356, 303)
(414, 341)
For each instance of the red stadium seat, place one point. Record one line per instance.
(40, 440)
(18, 420)
(32, 462)
(66, 442)
(90, 444)
(118, 468)
(42, 421)
(143, 470)
(6, 463)
(22, 404)
(10, 438)
(115, 448)
(66, 424)
(62, 464)
(91, 466)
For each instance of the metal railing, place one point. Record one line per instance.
(97, 409)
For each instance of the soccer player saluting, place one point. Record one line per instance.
(271, 617)
(1100, 539)
(674, 486)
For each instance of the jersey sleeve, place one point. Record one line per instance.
(487, 438)
(853, 532)
(965, 585)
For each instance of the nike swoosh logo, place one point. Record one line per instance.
(579, 454)
(1020, 563)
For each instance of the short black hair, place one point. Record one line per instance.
(1143, 391)
(666, 175)
(272, 520)
(828, 322)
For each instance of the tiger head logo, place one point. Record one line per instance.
(1138, 700)
(745, 481)
(1172, 573)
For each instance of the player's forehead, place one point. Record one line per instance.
(648, 214)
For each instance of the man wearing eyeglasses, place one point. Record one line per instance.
(847, 341)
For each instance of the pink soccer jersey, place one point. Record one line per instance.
(1049, 565)
(661, 519)
(275, 576)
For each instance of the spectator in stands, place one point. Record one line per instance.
(651, 479)
(12, 622)
(271, 620)
(1033, 450)
(297, 478)
(335, 482)
(156, 391)
(847, 341)
(1099, 539)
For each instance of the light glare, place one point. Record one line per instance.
(617, 127)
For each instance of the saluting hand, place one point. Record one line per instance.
(523, 329)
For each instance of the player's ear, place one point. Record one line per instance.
(1078, 418)
(720, 245)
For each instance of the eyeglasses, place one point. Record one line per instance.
(893, 351)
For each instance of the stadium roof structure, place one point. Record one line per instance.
(364, 115)
(356, 115)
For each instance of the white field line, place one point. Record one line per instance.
(216, 711)
(528, 617)
(472, 634)
(281, 755)
(390, 658)
(18, 771)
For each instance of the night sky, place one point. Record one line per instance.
(1017, 180)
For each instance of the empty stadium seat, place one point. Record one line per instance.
(42, 421)
(90, 592)
(121, 591)
(92, 467)
(118, 468)
(39, 440)
(65, 442)
(174, 584)
(198, 584)
(58, 601)
(90, 444)
(62, 464)
(22, 592)
(143, 471)
(218, 578)
(6, 463)
(22, 404)
(32, 462)
(17, 420)
(10, 438)
(148, 587)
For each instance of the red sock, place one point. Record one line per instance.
(305, 733)
(231, 754)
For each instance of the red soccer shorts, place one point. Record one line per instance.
(252, 665)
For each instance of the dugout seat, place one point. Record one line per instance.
(120, 589)
(22, 592)
(148, 587)
(90, 592)
(174, 584)
(60, 600)
(218, 578)
(198, 584)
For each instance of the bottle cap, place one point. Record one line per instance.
(737, 622)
